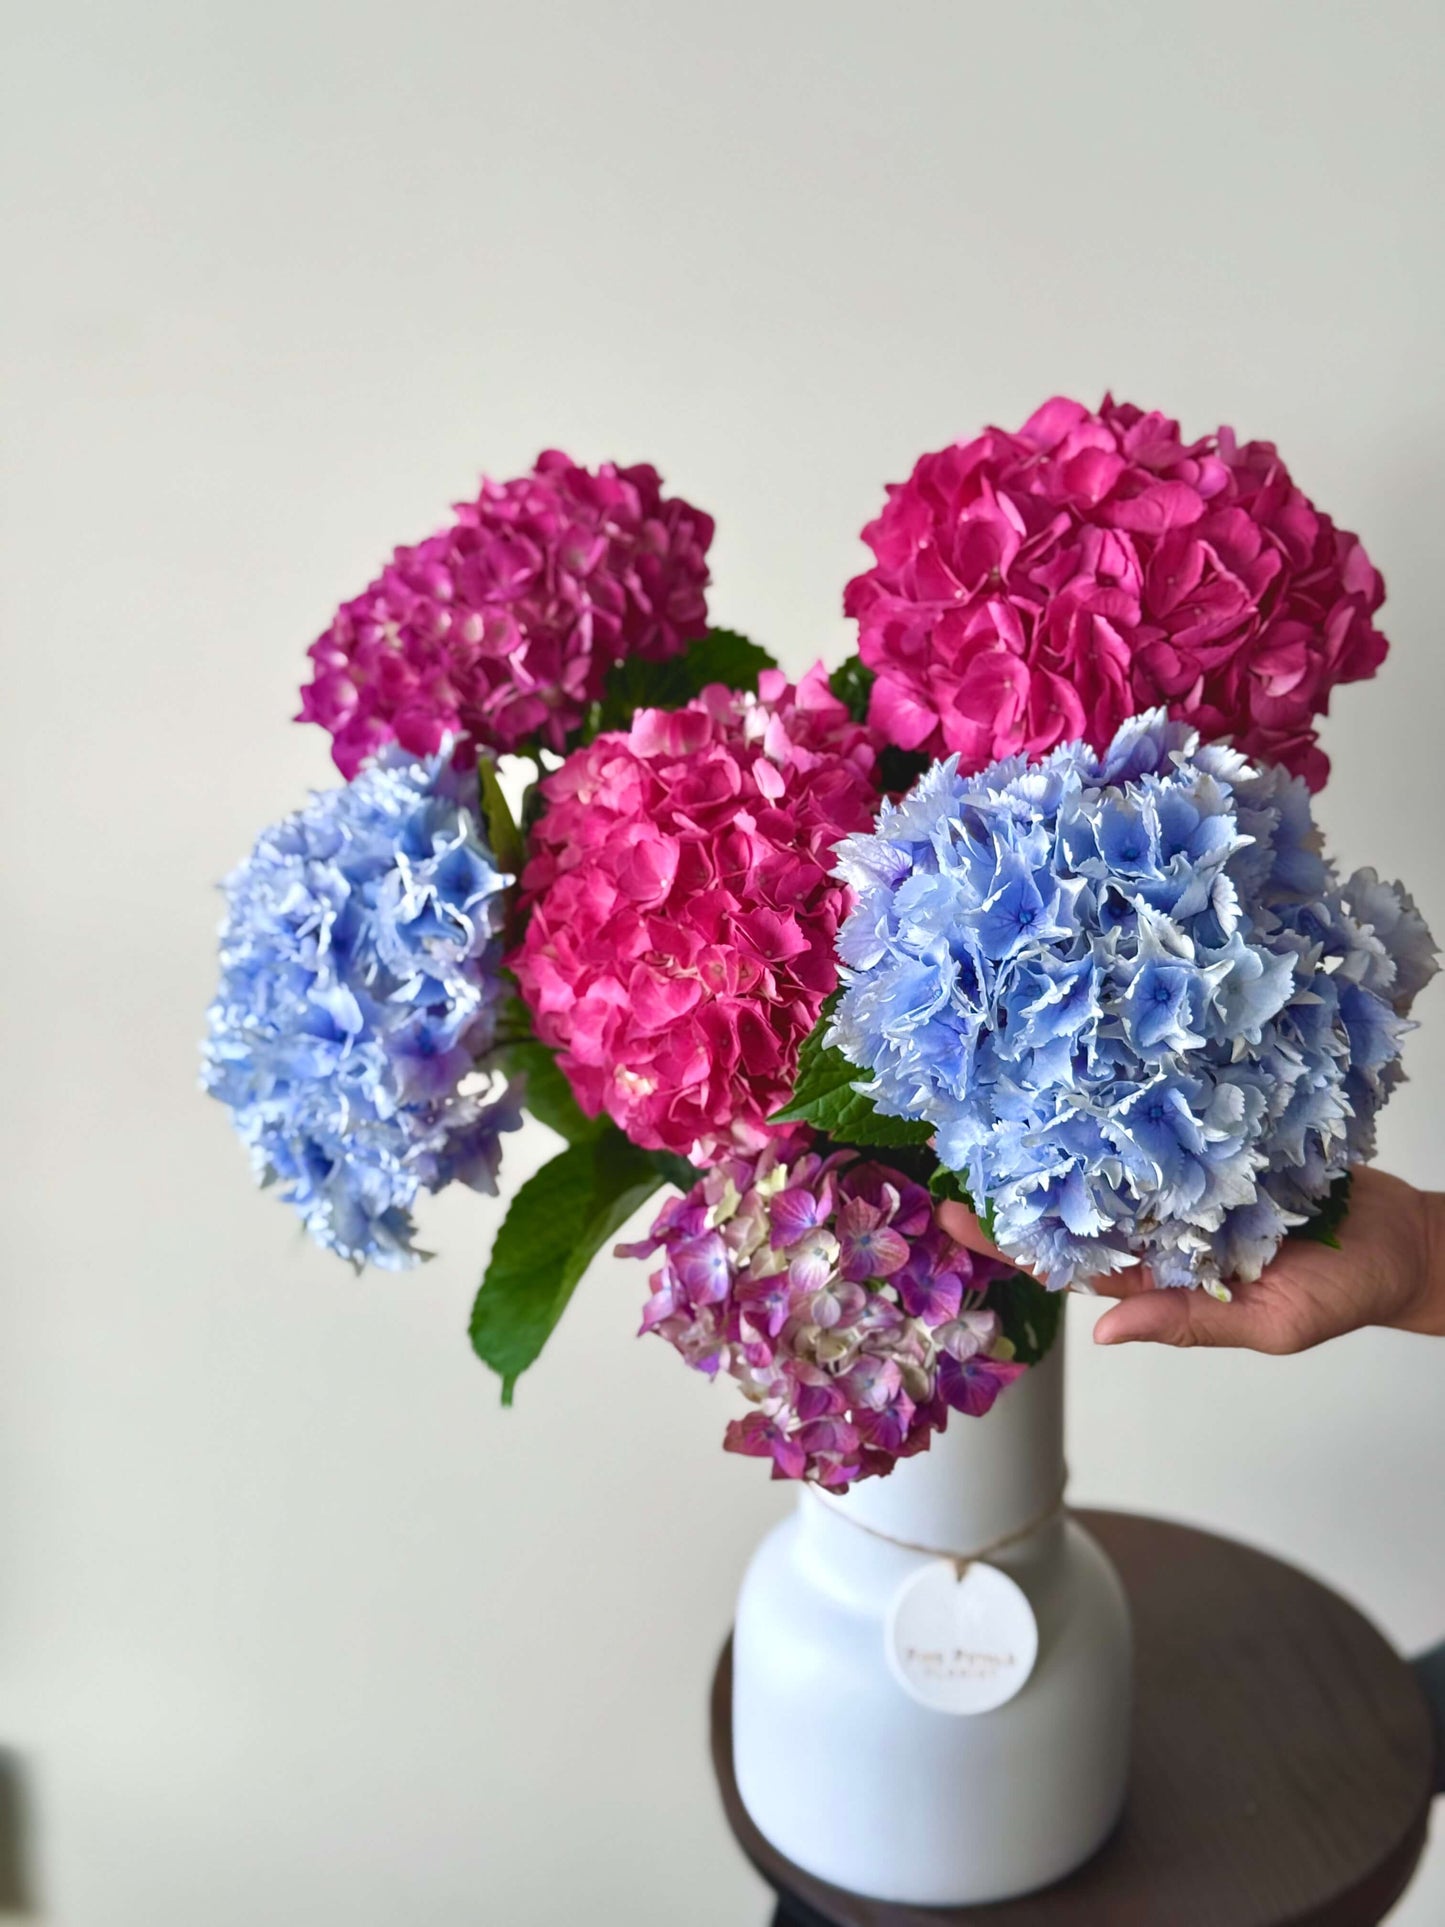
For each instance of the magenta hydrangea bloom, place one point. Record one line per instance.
(680, 911)
(825, 1287)
(1040, 588)
(500, 629)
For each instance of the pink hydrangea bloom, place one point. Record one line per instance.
(680, 911)
(1038, 588)
(825, 1287)
(500, 629)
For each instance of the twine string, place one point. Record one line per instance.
(960, 1561)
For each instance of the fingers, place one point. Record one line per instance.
(1184, 1317)
(962, 1225)
(1145, 1313)
(1124, 1284)
(964, 1228)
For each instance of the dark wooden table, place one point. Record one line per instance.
(1282, 1772)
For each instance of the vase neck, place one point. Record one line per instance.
(981, 1481)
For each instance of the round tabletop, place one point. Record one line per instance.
(1282, 1764)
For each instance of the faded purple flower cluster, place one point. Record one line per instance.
(824, 1286)
(500, 629)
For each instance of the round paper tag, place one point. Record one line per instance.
(961, 1645)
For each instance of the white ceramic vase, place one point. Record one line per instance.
(841, 1768)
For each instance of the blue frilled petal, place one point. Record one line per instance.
(1143, 1015)
(360, 982)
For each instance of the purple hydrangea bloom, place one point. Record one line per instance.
(1142, 1012)
(360, 981)
(501, 627)
(825, 1288)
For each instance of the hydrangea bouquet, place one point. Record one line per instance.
(1023, 905)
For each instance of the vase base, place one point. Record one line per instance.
(1283, 1755)
(858, 1785)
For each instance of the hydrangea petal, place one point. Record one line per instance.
(1130, 995)
(360, 982)
(1036, 587)
(846, 1375)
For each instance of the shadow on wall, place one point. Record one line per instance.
(17, 1893)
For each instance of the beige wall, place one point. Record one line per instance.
(296, 1625)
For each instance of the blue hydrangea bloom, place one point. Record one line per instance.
(1144, 1015)
(360, 982)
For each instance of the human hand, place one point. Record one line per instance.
(1389, 1270)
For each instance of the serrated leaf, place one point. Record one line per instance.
(1325, 1226)
(1029, 1314)
(825, 1095)
(719, 656)
(850, 1118)
(725, 656)
(557, 1223)
(503, 837)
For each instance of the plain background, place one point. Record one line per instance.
(296, 1625)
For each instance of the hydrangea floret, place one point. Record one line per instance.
(1144, 1015)
(822, 1284)
(360, 984)
(681, 912)
(1035, 588)
(499, 630)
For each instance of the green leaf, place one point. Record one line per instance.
(825, 1095)
(1325, 1226)
(915, 1161)
(520, 1053)
(720, 656)
(949, 1188)
(534, 804)
(852, 684)
(503, 836)
(558, 1222)
(900, 769)
(1029, 1314)
(514, 1020)
(673, 1169)
(547, 1094)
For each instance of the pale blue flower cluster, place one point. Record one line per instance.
(1134, 999)
(360, 982)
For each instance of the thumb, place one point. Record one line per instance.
(1180, 1316)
